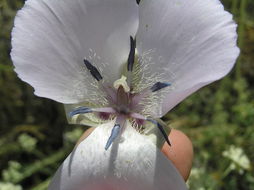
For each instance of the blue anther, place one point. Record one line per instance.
(93, 70)
(81, 110)
(159, 85)
(131, 57)
(114, 133)
(163, 132)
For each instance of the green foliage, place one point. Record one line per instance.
(35, 137)
(9, 186)
(27, 142)
(13, 173)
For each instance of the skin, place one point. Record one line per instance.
(180, 153)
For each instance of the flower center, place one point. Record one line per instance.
(123, 103)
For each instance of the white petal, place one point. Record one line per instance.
(132, 163)
(193, 44)
(51, 38)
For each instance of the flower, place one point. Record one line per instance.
(240, 161)
(116, 60)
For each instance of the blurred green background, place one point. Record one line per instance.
(35, 137)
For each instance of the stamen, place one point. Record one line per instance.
(159, 124)
(159, 85)
(81, 110)
(114, 133)
(84, 110)
(104, 110)
(93, 70)
(161, 130)
(120, 121)
(138, 116)
(146, 92)
(131, 57)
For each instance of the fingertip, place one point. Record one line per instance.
(180, 152)
(84, 135)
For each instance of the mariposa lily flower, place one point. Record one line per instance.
(120, 66)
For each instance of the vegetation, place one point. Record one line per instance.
(35, 137)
